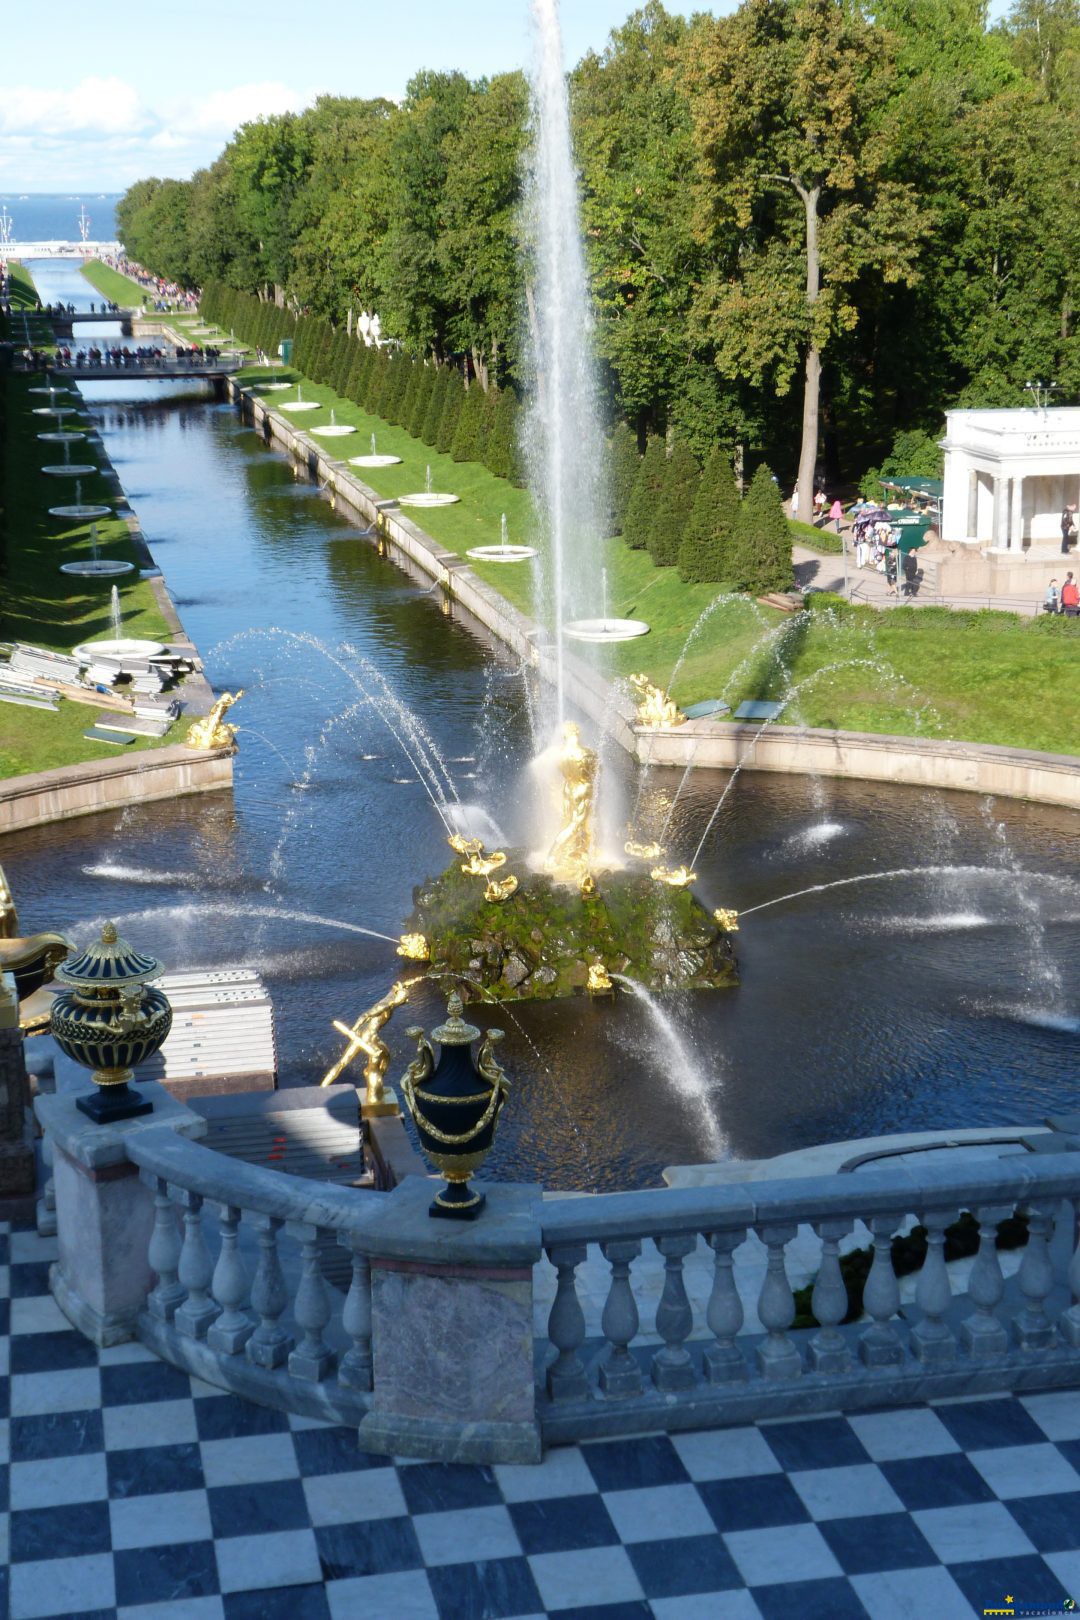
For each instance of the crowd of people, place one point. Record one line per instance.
(1064, 598)
(124, 359)
(162, 294)
(876, 539)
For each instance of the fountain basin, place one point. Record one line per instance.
(300, 405)
(103, 568)
(502, 554)
(70, 469)
(374, 461)
(273, 388)
(116, 647)
(605, 629)
(62, 436)
(83, 511)
(55, 410)
(52, 392)
(427, 498)
(336, 430)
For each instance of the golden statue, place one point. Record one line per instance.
(31, 959)
(212, 731)
(655, 708)
(363, 1036)
(480, 865)
(599, 980)
(643, 852)
(9, 917)
(414, 948)
(676, 877)
(728, 920)
(570, 856)
(501, 889)
(464, 846)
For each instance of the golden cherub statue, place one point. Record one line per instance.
(728, 920)
(569, 859)
(414, 948)
(481, 865)
(599, 983)
(643, 852)
(212, 731)
(500, 889)
(363, 1036)
(464, 846)
(655, 708)
(676, 877)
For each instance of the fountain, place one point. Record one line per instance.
(68, 468)
(374, 459)
(428, 497)
(80, 508)
(504, 552)
(300, 403)
(95, 566)
(62, 436)
(336, 430)
(118, 645)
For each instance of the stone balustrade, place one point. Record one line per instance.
(431, 1350)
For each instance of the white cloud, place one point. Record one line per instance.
(93, 106)
(225, 110)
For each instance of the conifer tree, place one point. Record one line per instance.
(470, 434)
(623, 464)
(436, 405)
(378, 382)
(646, 492)
(672, 509)
(455, 399)
(425, 381)
(761, 539)
(704, 555)
(408, 398)
(501, 456)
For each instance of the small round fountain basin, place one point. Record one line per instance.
(72, 469)
(273, 388)
(52, 392)
(336, 430)
(103, 568)
(428, 498)
(83, 511)
(55, 410)
(64, 436)
(605, 629)
(124, 647)
(300, 405)
(502, 554)
(374, 461)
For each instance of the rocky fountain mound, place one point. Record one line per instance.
(542, 941)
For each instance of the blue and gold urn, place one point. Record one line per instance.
(108, 1019)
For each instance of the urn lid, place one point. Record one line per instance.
(110, 963)
(455, 1032)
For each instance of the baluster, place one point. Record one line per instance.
(619, 1373)
(164, 1253)
(312, 1357)
(724, 1361)
(356, 1368)
(269, 1344)
(777, 1356)
(880, 1345)
(567, 1379)
(672, 1367)
(1032, 1328)
(932, 1340)
(1070, 1322)
(234, 1326)
(829, 1351)
(194, 1316)
(981, 1333)
(46, 1204)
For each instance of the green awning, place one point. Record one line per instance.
(932, 488)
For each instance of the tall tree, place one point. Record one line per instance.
(760, 550)
(705, 550)
(672, 510)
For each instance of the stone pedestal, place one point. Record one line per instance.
(16, 1132)
(104, 1213)
(452, 1329)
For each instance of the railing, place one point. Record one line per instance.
(703, 1369)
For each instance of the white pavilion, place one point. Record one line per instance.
(1008, 476)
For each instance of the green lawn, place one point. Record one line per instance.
(39, 604)
(118, 289)
(24, 295)
(991, 677)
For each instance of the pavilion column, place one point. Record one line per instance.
(1000, 511)
(972, 532)
(1016, 523)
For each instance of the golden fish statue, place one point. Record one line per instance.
(599, 983)
(484, 865)
(676, 877)
(500, 889)
(655, 708)
(643, 852)
(728, 920)
(212, 731)
(464, 846)
(414, 948)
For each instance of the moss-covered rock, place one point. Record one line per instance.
(540, 943)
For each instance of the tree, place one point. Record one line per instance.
(795, 191)
(503, 456)
(761, 539)
(1045, 37)
(425, 381)
(444, 378)
(704, 553)
(673, 507)
(471, 431)
(452, 408)
(623, 464)
(646, 493)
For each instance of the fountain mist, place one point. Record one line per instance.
(563, 442)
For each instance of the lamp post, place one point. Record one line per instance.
(1041, 393)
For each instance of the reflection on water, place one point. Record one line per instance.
(944, 997)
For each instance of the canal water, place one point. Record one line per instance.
(945, 996)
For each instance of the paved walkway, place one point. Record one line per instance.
(140, 1493)
(825, 571)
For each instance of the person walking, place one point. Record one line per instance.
(836, 512)
(795, 502)
(1052, 599)
(911, 573)
(1068, 527)
(1070, 598)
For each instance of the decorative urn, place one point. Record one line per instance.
(108, 1018)
(455, 1100)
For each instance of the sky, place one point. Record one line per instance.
(94, 97)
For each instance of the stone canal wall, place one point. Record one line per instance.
(921, 762)
(107, 784)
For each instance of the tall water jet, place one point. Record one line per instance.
(563, 441)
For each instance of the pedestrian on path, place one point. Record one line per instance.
(836, 512)
(795, 502)
(1068, 527)
(1052, 599)
(1070, 598)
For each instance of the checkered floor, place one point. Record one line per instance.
(138, 1492)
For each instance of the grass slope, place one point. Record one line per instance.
(50, 609)
(24, 295)
(118, 289)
